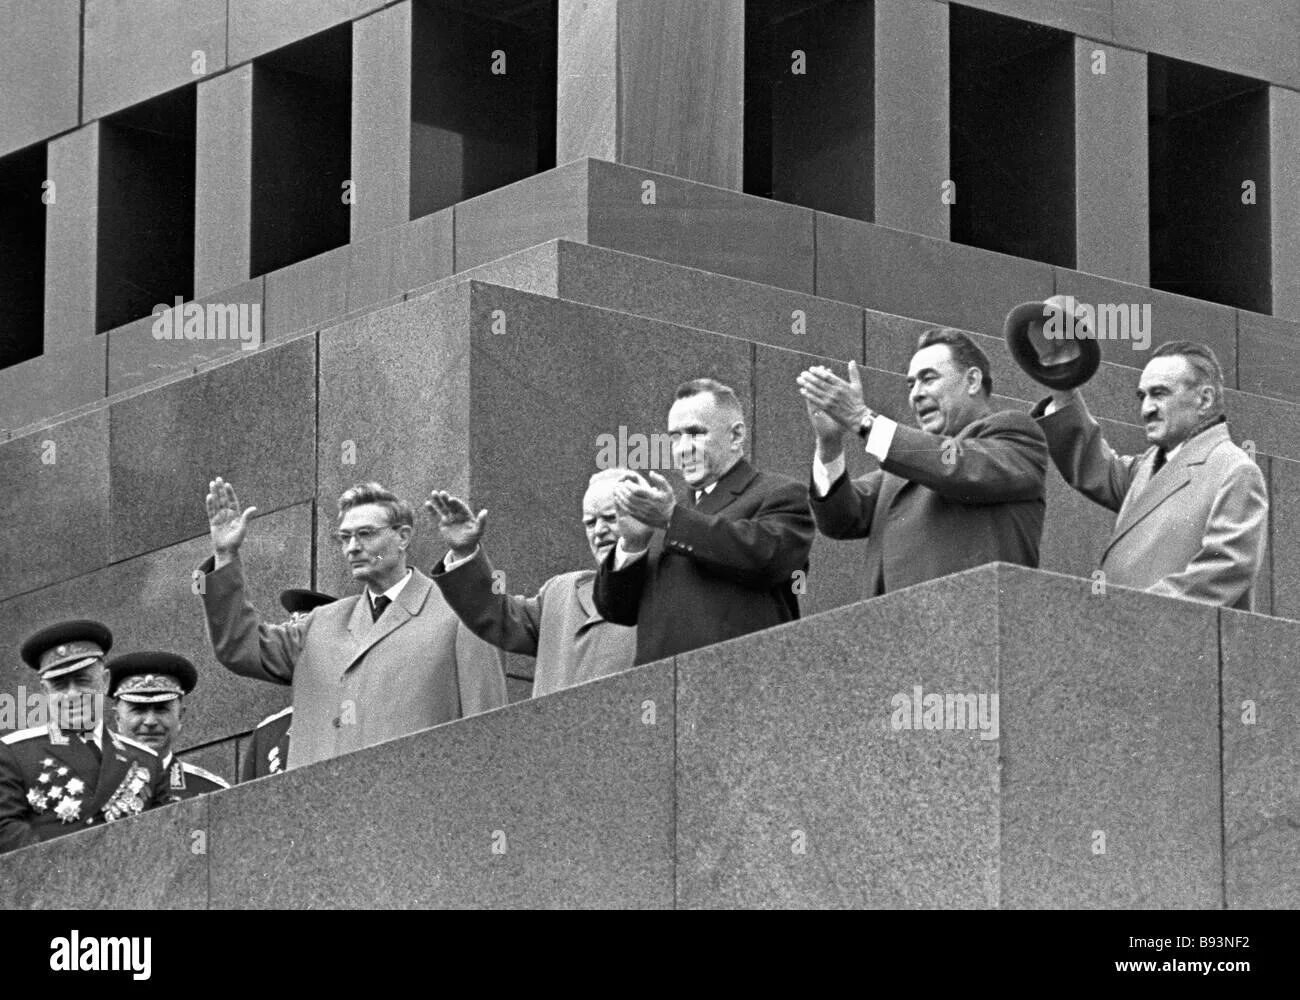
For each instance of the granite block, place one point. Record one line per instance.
(1110, 162)
(690, 297)
(1284, 193)
(1268, 356)
(547, 206)
(135, 51)
(1075, 531)
(1272, 424)
(56, 490)
(573, 791)
(399, 259)
(587, 81)
(381, 121)
(921, 277)
(700, 226)
(405, 424)
(783, 442)
(71, 239)
(136, 356)
(1284, 522)
(258, 26)
(64, 378)
(911, 116)
(1256, 38)
(1114, 732)
(681, 87)
(223, 158)
(1261, 748)
(40, 70)
(795, 790)
(1173, 317)
(149, 603)
(532, 270)
(1081, 17)
(541, 397)
(147, 862)
(308, 295)
(168, 443)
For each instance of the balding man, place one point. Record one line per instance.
(559, 625)
(723, 562)
(1193, 508)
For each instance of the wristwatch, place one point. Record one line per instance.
(864, 428)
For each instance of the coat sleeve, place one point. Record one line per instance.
(846, 510)
(617, 594)
(512, 623)
(762, 551)
(480, 672)
(1233, 547)
(15, 830)
(1000, 460)
(241, 642)
(1082, 455)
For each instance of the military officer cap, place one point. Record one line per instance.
(298, 601)
(151, 676)
(66, 647)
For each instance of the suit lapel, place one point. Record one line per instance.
(111, 772)
(365, 633)
(588, 607)
(1147, 492)
(730, 486)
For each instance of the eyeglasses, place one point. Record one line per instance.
(363, 535)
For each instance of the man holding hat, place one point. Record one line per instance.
(150, 688)
(1193, 508)
(73, 772)
(268, 747)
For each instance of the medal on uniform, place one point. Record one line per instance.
(178, 776)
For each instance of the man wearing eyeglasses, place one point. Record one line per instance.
(373, 666)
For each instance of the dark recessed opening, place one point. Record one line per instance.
(22, 255)
(145, 252)
(302, 150)
(1208, 137)
(810, 104)
(1011, 109)
(483, 90)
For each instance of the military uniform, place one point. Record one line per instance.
(268, 750)
(154, 678)
(54, 782)
(186, 780)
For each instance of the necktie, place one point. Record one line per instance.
(377, 606)
(1159, 463)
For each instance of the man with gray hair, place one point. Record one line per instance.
(384, 663)
(1193, 507)
(559, 625)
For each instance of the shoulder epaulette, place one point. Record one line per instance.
(130, 742)
(271, 718)
(24, 734)
(216, 779)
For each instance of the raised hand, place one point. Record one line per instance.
(650, 501)
(226, 524)
(840, 400)
(458, 526)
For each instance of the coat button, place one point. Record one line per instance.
(336, 722)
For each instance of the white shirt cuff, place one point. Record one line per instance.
(880, 437)
(622, 557)
(450, 562)
(824, 475)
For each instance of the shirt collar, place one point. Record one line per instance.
(707, 490)
(391, 593)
